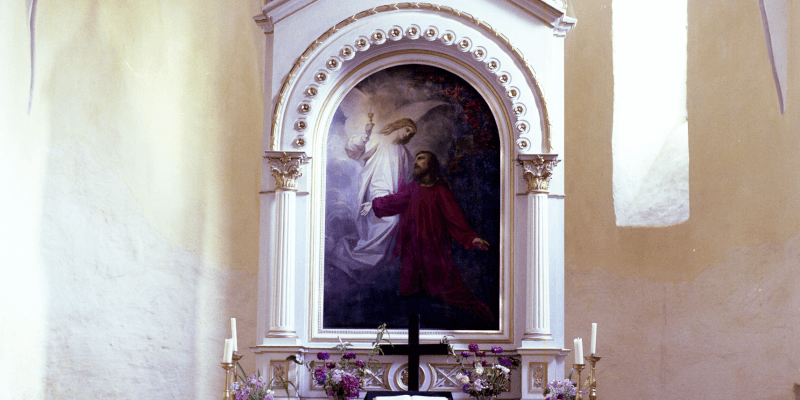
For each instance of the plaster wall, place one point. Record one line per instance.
(129, 218)
(708, 307)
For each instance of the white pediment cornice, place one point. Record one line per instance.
(276, 11)
(550, 11)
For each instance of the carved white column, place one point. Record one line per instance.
(285, 168)
(537, 170)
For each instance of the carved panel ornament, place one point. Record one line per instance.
(537, 171)
(538, 375)
(364, 41)
(286, 169)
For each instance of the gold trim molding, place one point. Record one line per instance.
(537, 170)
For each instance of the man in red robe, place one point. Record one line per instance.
(429, 219)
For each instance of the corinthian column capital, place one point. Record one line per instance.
(285, 167)
(537, 170)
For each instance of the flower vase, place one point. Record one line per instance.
(485, 397)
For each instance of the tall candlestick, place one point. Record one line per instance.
(233, 335)
(594, 338)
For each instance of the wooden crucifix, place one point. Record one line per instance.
(413, 350)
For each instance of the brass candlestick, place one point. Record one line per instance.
(579, 368)
(227, 395)
(592, 380)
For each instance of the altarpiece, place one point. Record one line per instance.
(352, 91)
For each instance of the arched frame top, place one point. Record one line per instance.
(436, 30)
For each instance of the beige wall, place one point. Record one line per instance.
(710, 307)
(130, 196)
(130, 209)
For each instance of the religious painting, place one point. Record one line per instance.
(409, 232)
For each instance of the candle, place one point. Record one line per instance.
(578, 351)
(233, 335)
(227, 354)
(594, 337)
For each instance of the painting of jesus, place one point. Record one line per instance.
(370, 274)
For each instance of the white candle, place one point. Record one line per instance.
(233, 335)
(578, 351)
(594, 337)
(227, 354)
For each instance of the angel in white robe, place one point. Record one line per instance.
(387, 166)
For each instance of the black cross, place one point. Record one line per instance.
(413, 350)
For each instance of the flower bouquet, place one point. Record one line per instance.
(344, 379)
(252, 388)
(480, 378)
(558, 390)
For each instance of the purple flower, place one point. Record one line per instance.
(465, 354)
(473, 347)
(349, 356)
(497, 350)
(331, 365)
(465, 388)
(480, 354)
(504, 361)
(361, 363)
(484, 363)
(319, 376)
(323, 355)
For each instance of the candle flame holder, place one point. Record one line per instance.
(579, 368)
(227, 394)
(592, 377)
(230, 378)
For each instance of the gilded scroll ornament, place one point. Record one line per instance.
(537, 170)
(286, 169)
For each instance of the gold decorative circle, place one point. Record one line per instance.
(401, 376)
(347, 52)
(522, 126)
(523, 143)
(504, 78)
(362, 43)
(378, 37)
(395, 32)
(464, 44)
(493, 64)
(311, 91)
(479, 53)
(304, 108)
(300, 125)
(299, 142)
(413, 31)
(519, 109)
(321, 77)
(513, 93)
(332, 63)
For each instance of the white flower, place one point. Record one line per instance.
(479, 369)
(502, 368)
